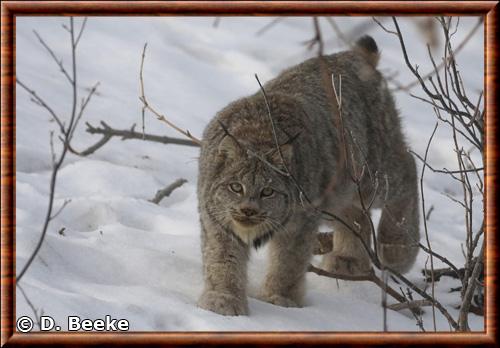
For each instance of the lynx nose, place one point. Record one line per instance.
(248, 211)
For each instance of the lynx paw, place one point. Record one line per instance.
(346, 265)
(223, 303)
(279, 300)
(399, 257)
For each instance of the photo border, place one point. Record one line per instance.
(11, 9)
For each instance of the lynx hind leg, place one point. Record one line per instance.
(398, 230)
(349, 256)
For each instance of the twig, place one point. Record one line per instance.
(384, 300)
(165, 192)
(269, 25)
(469, 292)
(369, 277)
(457, 49)
(81, 31)
(84, 104)
(439, 272)
(317, 39)
(159, 116)
(66, 137)
(429, 212)
(40, 102)
(383, 27)
(108, 133)
(65, 203)
(54, 57)
(286, 172)
(340, 33)
(409, 304)
(441, 95)
(417, 316)
(356, 176)
(444, 170)
(447, 93)
(425, 226)
(422, 293)
(32, 307)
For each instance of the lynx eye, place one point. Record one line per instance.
(267, 192)
(236, 187)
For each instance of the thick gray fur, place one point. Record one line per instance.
(238, 152)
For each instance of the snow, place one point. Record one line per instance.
(119, 254)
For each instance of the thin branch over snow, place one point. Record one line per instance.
(147, 106)
(109, 133)
(167, 191)
(66, 131)
(445, 91)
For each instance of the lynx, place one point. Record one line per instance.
(255, 172)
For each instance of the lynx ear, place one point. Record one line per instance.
(229, 148)
(286, 151)
(368, 48)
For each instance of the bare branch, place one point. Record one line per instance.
(370, 277)
(317, 39)
(458, 48)
(216, 22)
(422, 293)
(269, 25)
(65, 136)
(84, 105)
(54, 57)
(339, 32)
(108, 133)
(444, 170)
(417, 316)
(65, 203)
(81, 31)
(409, 304)
(39, 101)
(429, 212)
(466, 302)
(425, 225)
(167, 191)
(273, 128)
(383, 27)
(32, 306)
(159, 116)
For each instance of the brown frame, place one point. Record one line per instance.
(11, 9)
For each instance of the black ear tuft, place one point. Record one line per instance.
(368, 48)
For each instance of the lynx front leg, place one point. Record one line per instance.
(224, 266)
(289, 256)
(349, 257)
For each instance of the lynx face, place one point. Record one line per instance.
(252, 199)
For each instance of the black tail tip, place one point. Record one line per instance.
(367, 43)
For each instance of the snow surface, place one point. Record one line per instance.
(124, 256)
